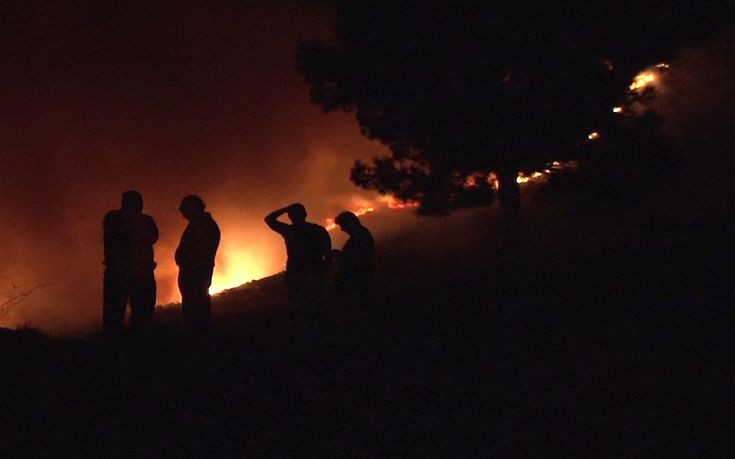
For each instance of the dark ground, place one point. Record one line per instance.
(613, 339)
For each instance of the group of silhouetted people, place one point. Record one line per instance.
(309, 251)
(129, 235)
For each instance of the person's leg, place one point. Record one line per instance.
(196, 304)
(142, 301)
(114, 299)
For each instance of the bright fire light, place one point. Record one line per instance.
(642, 80)
(235, 268)
(617, 109)
(329, 223)
(393, 203)
(593, 135)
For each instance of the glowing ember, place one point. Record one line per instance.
(492, 179)
(642, 80)
(617, 109)
(393, 203)
(522, 178)
(363, 211)
(593, 135)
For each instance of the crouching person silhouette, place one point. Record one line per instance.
(308, 250)
(195, 258)
(355, 274)
(129, 235)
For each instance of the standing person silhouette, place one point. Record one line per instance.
(308, 248)
(357, 258)
(355, 272)
(195, 258)
(129, 235)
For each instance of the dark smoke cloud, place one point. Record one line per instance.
(169, 99)
(696, 101)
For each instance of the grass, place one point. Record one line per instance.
(612, 340)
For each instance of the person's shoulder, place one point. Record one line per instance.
(316, 227)
(209, 219)
(148, 218)
(365, 236)
(112, 217)
(211, 223)
(364, 232)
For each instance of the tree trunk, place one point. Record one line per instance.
(510, 252)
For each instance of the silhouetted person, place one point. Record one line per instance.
(195, 257)
(355, 271)
(308, 248)
(129, 235)
(357, 259)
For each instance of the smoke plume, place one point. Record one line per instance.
(169, 99)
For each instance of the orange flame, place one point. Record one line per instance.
(642, 80)
(236, 266)
(394, 203)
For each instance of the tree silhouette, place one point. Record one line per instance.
(454, 90)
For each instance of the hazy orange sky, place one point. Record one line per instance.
(170, 100)
(173, 98)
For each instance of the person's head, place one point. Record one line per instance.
(191, 207)
(132, 201)
(296, 213)
(348, 222)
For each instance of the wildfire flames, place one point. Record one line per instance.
(237, 265)
(391, 202)
(642, 80)
(647, 78)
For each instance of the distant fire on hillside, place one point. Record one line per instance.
(238, 266)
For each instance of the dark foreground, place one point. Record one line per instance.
(608, 346)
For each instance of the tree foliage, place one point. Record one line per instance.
(458, 87)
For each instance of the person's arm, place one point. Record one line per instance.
(272, 221)
(112, 237)
(183, 251)
(326, 246)
(153, 230)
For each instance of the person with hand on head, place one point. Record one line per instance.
(308, 250)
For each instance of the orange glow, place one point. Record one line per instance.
(473, 180)
(363, 210)
(234, 268)
(492, 179)
(394, 203)
(648, 77)
(617, 109)
(329, 223)
(642, 80)
(593, 135)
